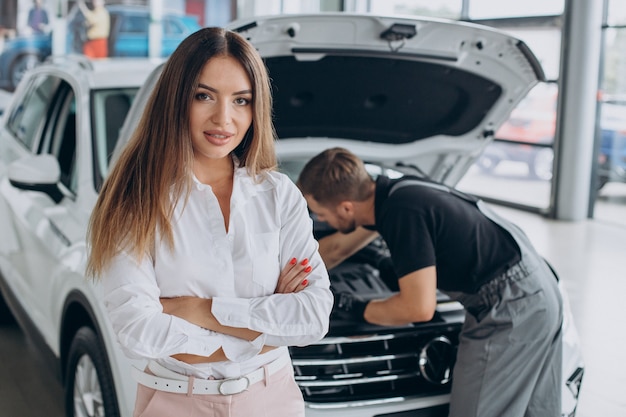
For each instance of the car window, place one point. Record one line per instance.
(172, 27)
(59, 136)
(134, 24)
(28, 117)
(65, 143)
(109, 110)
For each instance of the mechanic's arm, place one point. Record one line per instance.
(416, 301)
(337, 247)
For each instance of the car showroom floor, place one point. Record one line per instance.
(590, 257)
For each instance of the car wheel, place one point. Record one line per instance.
(89, 390)
(541, 164)
(22, 64)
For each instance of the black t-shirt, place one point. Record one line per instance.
(423, 226)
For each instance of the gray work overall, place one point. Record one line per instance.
(510, 354)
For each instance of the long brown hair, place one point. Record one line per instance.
(153, 171)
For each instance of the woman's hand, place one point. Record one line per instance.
(293, 277)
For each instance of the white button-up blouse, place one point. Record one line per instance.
(238, 269)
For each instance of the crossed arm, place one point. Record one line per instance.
(197, 310)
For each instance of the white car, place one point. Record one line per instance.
(56, 138)
(407, 95)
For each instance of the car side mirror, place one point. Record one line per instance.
(37, 173)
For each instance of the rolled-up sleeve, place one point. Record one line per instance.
(131, 298)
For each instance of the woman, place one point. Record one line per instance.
(98, 29)
(189, 236)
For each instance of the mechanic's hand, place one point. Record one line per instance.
(349, 306)
(293, 276)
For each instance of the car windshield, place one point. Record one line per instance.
(109, 109)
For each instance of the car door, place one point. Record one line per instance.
(44, 223)
(21, 132)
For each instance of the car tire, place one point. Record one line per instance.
(541, 164)
(89, 388)
(20, 65)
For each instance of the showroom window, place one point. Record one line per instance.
(610, 200)
(489, 9)
(448, 9)
(517, 167)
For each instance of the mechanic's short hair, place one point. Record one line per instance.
(335, 175)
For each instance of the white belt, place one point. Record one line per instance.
(227, 386)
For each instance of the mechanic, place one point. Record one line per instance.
(509, 357)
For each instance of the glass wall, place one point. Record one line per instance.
(517, 167)
(610, 203)
(449, 9)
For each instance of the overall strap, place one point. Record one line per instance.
(409, 181)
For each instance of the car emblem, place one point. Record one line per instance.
(436, 360)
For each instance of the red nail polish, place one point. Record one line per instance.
(293, 261)
(306, 261)
(305, 281)
(308, 268)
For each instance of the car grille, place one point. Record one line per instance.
(381, 366)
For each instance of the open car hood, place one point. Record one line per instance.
(416, 92)
(436, 90)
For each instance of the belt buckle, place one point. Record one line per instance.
(234, 385)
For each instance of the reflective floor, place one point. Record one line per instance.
(27, 386)
(590, 257)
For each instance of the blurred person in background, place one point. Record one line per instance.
(38, 18)
(98, 23)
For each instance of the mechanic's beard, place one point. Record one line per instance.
(348, 227)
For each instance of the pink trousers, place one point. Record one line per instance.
(277, 396)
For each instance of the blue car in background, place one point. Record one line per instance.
(612, 151)
(128, 37)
